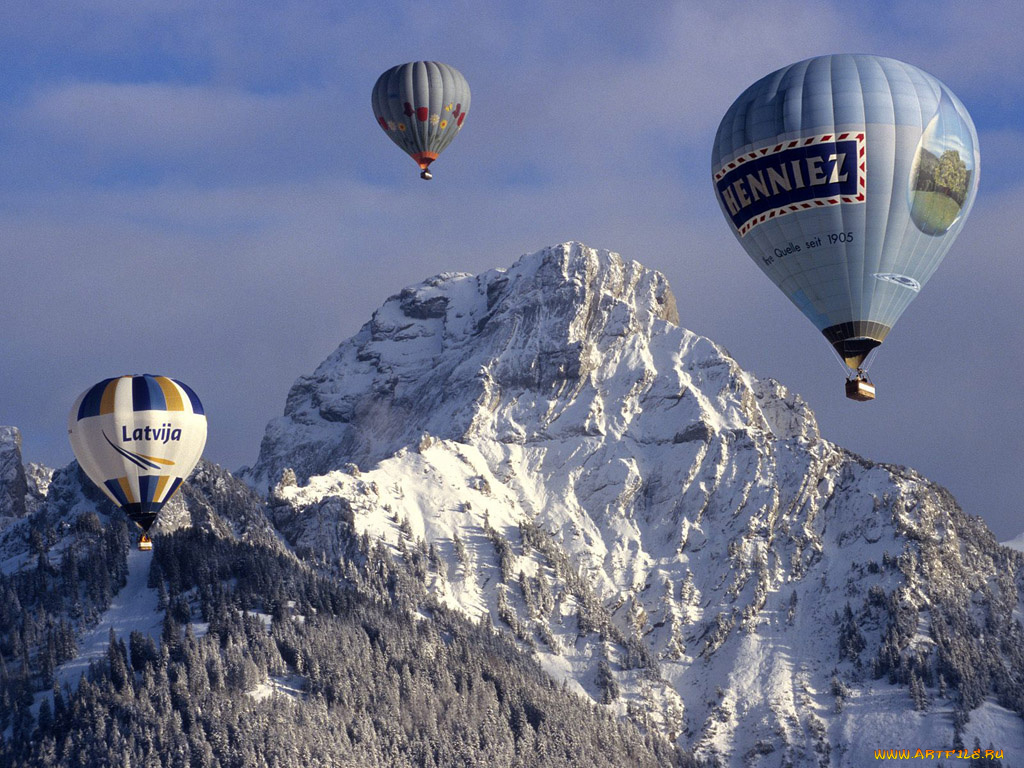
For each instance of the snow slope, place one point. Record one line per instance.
(133, 609)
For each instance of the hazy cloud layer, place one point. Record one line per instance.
(202, 191)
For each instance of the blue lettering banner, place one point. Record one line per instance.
(792, 176)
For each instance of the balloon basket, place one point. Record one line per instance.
(860, 389)
(145, 544)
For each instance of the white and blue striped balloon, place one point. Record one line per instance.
(138, 438)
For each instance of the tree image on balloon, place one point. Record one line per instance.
(943, 173)
(829, 171)
(939, 190)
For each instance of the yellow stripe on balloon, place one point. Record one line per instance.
(126, 487)
(161, 486)
(107, 401)
(158, 460)
(171, 394)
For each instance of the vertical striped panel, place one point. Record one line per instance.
(171, 394)
(116, 490)
(161, 487)
(193, 398)
(140, 394)
(126, 489)
(91, 404)
(147, 394)
(109, 393)
(147, 489)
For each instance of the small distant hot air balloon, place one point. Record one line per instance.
(421, 106)
(138, 438)
(846, 178)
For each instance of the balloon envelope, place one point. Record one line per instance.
(846, 178)
(421, 106)
(138, 438)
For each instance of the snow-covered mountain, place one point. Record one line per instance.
(542, 450)
(667, 533)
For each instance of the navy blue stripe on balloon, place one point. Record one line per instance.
(147, 488)
(174, 487)
(197, 407)
(115, 489)
(147, 394)
(140, 394)
(90, 405)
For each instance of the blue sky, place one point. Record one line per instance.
(200, 189)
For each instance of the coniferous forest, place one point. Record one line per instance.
(267, 661)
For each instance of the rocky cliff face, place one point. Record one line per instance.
(459, 356)
(22, 487)
(13, 488)
(666, 532)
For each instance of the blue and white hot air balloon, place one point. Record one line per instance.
(138, 438)
(846, 178)
(421, 107)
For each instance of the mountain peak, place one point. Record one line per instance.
(458, 353)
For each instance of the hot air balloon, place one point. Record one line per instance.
(137, 438)
(421, 106)
(846, 178)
